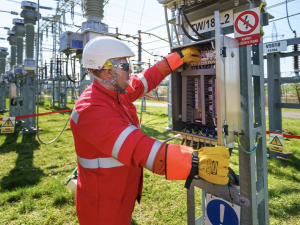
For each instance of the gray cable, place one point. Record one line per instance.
(288, 19)
(37, 112)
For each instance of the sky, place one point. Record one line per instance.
(129, 16)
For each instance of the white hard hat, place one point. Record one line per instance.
(98, 50)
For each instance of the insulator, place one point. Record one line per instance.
(93, 9)
(19, 50)
(13, 55)
(296, 58)
(45, 70)
(72, 12)
(29, 28)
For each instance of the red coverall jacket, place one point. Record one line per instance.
(111, 151)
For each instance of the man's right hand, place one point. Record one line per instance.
(190, 54)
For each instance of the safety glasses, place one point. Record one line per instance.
(121, 63)
(125, 66)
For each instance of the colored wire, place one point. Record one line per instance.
(69, 177)
(253, 150)
(263, 4)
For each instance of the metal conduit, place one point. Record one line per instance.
(93, 9)
(29, 30)
(19, 50)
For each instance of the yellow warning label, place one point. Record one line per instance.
(276, 141)
(276, 149)
(8, 123)
(7, 130)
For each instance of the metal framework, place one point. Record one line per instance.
(274, 82)
(252, 193)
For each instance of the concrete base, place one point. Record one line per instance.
(283, 157)
(72, 185)
(19, 122)
(29, 131)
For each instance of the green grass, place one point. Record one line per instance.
(31, 174)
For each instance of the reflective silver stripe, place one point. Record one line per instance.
(144, 81)
(152, 154)
(75, 115)
(99, 163)
(119, 142)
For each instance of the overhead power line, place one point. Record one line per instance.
(278, 4)
(153, 35)
(283, 14)
(13, 1)
(123, 16)
(11, 12)
(284, 17)
(133, 11)
(142, 14)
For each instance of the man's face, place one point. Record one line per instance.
(123, 75)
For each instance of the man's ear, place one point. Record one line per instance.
(108, 74)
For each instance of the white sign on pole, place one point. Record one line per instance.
(219, 211)
(246, 27)
(208, 23)
(275, 46)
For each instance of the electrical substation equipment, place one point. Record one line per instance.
(15, 74)
(275, 51)
(27, 72)
(3, 83)
(72, 43)
(220, 101)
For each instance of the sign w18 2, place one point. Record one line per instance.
(208, 23)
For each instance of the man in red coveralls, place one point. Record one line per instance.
(111, 149)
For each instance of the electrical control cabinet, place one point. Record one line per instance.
(206, 95)
(70, 41)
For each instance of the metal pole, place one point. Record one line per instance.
(274, 92)
(168, 28)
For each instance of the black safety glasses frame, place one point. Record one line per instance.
(124, 66)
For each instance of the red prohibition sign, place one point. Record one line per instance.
(253, 27)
